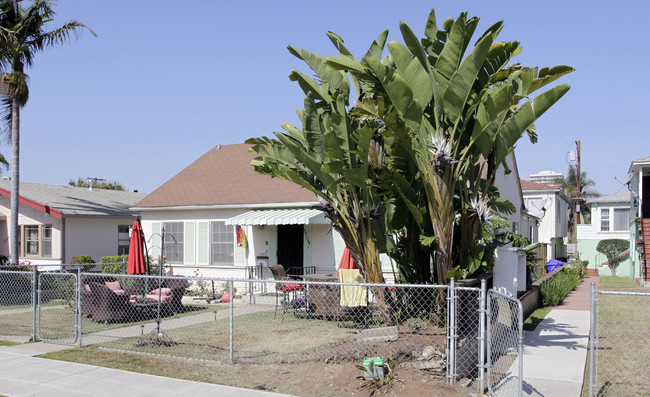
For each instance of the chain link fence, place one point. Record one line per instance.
(619, 348)
(440, 330)
(17, 303)
(505, 336)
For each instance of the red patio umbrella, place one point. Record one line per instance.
(346, 261)
(136, 263)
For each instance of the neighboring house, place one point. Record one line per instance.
(59, 222)
(611, 217)
(551, 207)
(220, 217)
(510, 264)
(638, 178)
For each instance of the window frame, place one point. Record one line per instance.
(229, 243)
(605, 220)
(121, 242)
(41, 241)
(174, 246)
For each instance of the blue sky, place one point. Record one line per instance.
(165, 81)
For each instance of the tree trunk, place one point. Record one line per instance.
(14, 230)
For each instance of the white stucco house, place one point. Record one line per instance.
(220, 218)
(551, 207)
(59, 222)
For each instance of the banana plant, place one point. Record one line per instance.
(408, 166)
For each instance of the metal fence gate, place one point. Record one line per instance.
(505, 335)
(58, 315)
(619, 343)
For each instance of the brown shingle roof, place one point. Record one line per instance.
(528, 185)
(224, 176)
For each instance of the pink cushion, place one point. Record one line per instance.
(163, 298)
(87, 287)
(225, 298)
(164, 292)
(114, 285)
(118, 292)
(291, 286)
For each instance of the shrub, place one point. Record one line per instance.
(613, 249)
(558, 287)
(81, 259)
(115, 264)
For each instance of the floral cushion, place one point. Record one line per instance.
(163, 292)
(163, 298)
(114, 285)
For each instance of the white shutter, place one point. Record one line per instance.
(189, 245)
(155, 241)
(203, 243)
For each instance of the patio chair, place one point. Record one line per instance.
(353, 299)
(287, 290)
(171, 292)
(106, 305)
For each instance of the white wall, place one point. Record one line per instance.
(94, 236)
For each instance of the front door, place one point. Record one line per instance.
(290, 252)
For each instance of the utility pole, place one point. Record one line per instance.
(578, 170)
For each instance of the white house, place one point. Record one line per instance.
(510, 263)
(218, 217)
(59, 222)
(547, 203)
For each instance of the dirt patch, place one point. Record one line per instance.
(309, 378)
(319, 379)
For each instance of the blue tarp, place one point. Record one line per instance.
(553, 264)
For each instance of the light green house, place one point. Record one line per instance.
(611, 218)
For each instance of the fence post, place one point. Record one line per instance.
(451, 333)
(34, 301)
(232, 317)
(78, 306)
(520, 320)
(592, 326)
(481, 336)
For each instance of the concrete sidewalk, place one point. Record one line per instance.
(23, 374)
(555, 354)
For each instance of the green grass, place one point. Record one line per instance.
(259, 337)
(9, 343)
(58, 321)
(536, 317)
(616, 280)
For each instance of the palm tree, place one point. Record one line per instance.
(569, 186)
(22, 35)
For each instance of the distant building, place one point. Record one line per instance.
(546, 177)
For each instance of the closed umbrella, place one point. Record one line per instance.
(136, 263)
(346, 261)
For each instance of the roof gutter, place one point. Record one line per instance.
(297, 204)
